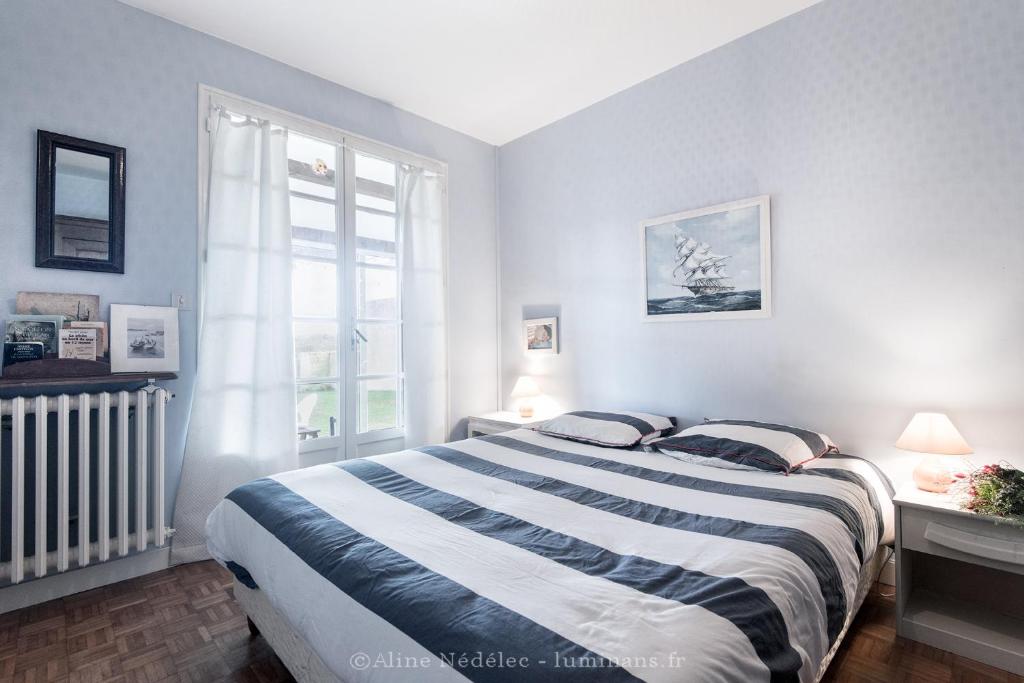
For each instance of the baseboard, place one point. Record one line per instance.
(55, 586)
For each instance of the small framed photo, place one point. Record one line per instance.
(540, 336)
(143, 338)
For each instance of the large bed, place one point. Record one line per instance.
(522, 556)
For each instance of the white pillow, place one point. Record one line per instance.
(701, 459)
(617, 430)
(758, 445)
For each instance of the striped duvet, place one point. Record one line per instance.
(521, 556)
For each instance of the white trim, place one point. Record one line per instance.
(56, 586)
(764, 202)
(375, 435)
(498, 317)
(446, 242)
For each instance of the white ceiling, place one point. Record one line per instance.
(494, 69)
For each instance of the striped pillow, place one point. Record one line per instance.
(617, 430)
(760, 445)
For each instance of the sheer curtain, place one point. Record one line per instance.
(422, 208)
(242, 423)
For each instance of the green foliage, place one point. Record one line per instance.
(998, 491)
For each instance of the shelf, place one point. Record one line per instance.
(966, 629)
(51, 377)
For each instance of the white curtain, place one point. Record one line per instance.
(422, 208)
(242, 424)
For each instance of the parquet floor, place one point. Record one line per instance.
(182, 625)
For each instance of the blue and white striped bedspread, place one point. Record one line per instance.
(524, 557)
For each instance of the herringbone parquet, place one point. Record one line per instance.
(182, 625)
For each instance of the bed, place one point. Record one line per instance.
(522, 556)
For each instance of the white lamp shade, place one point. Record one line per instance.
(525, 387)
(933, 433)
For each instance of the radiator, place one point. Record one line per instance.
(115, 453)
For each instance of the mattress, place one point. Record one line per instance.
(520, 555)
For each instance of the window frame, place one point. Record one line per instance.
(347, 145)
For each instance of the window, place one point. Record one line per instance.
(348, 316)
(321, 301)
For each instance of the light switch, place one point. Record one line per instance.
(180, 301)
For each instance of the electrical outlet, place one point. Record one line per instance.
(180, 301)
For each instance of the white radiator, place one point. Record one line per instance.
(129, 435)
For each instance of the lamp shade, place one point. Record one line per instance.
(933, 433)
(525, 387)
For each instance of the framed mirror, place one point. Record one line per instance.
(79, 204)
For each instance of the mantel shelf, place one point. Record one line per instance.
(50, 377)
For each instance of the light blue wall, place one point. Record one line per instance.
(101, 70)
(890, 136)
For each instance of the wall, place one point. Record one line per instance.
(889, 136)
(107, 72)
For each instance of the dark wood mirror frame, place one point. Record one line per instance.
(46, 171)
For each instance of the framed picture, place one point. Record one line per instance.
(709, 264)
(540, 336)
(71, 306)
(143, 338)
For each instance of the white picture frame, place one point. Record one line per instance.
(712, 238)
(143, 338)
(540, 336)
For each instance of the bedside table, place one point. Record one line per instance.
(501, 421)
(959, 579)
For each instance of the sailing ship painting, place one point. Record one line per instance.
(711, 263)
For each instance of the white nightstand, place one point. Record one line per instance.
(959, 580)
(501, 421)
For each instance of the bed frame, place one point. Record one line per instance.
(307, 667)
(291, 648)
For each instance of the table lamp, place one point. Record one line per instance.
(935, 435)
(525, 389)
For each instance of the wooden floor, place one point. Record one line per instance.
(181, 624)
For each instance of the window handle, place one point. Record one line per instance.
(357, 336)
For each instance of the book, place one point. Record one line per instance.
(20, 352)
(35, 328)
(78, 344)
(102, 334)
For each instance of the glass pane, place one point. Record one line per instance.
(81, 205)
(311, 159)
(314, 289)
(376, 293)
(375, 169)
(312, 242)
(316, 407)
(316, 350)
(378, 355)
(308, 187)
(371, 202)
(373, 226)
(378, 404)
(308, 213)
(374, 257)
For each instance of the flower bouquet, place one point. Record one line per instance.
(995, 490)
